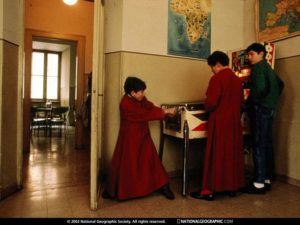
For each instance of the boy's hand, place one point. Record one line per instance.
(170, 111)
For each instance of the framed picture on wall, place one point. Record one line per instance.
(189, 28)
(277, 19)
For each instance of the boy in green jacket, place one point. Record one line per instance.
(264, 92)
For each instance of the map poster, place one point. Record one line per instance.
(277, 19)
(189, 28)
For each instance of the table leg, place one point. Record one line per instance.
(185, 159)
(161, 143)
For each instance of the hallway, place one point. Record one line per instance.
(56, 184)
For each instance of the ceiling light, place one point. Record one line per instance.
(70, 2)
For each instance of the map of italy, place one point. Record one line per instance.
(196, 14)
(278, 18)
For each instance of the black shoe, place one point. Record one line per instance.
(251, 189)
(231, 193)
(268, 187)
(105, 195)
(198, 195)
(167, 193)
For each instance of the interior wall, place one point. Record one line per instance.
(186, 81)
(112, 98)
(142, 26)
(227, 25)
(9, 115)
(113, 25)
(287, 123)
(169, 80)
(233, 27)
(10, 30)
(10, 21)
(140, 49)
(145, 26)
(249, 19)
(57, 17)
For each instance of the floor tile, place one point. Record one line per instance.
(56, 185)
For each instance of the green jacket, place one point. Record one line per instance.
(266, 85)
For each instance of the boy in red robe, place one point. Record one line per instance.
(136, 169)
(224, 160)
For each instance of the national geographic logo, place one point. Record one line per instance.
(204, 221)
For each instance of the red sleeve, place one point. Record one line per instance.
(140, 111)
(213, 94)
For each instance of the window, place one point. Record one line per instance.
(45, 75)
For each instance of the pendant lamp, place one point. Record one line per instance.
(70, 2)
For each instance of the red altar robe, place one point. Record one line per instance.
(136, 169)
(224, 159)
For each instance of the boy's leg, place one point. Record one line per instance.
(269, 154)
(259, 150)
(259, 130)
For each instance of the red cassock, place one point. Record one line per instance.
(224, 159)
(136, 169)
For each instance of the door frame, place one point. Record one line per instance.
(97, 102)
(80, 40)
(20, 109)
(24, 84)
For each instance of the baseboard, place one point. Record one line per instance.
(289, 180)
(248, 172)
(279, 177)
(5, 192)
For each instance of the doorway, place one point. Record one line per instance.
(18, 61)
(81, 42)
(55, 83)
(35, 36)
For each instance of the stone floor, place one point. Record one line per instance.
(56, 184)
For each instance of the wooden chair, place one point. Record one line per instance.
(38, 120)
(59, 117)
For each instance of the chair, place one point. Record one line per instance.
(59, 118)
(38, 120)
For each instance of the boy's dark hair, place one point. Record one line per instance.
(218, 57)
(257, 47)
(134, 84)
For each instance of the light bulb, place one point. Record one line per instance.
(70, 2)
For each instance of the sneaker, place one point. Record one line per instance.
(167, 193)
(251, 189)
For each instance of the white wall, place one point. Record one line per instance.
(249, 35)
(288, 47)
(9, 20)
(142, 25)
(227, 25)
(145, 26)
(1, 18)
(113, 25)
